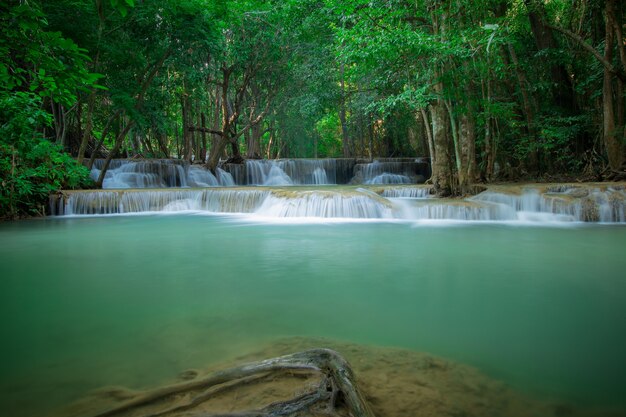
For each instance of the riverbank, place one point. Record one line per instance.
(395, 382)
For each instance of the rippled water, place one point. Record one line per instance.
(133, 300)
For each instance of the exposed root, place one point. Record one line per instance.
(335, 395)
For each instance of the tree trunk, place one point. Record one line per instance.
(429, 135)
(527, 107)
(442, 173)
(222, 139)
(347, 148)
(186, 119)
(460, 167)
(467, 139)
(119, 139)
(610, 134)
(562, 90)
(203, 151)
(87, 133)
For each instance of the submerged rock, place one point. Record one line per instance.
(393, 381)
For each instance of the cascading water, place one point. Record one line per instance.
(202, 177)
(387, 178)
(532, 204)
(406, 192)
(158, 173)
(326, 204)
(390, 202)
(164, 173)
(264, 202)
(390, 172)
(138, 201)
(571, 203)
(290, 172)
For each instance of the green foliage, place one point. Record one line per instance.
(329, 142)
(37, 68)
(300, 64)
(39, 61)
(122, 6)
(31, 167)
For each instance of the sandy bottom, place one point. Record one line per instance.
(396, 382)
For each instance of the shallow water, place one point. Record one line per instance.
(133, 300)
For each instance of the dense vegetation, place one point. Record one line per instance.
(489, 89)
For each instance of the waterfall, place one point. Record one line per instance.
(276, 176)
(527, 204)
(570, 202)
(157, 173)
(291, 172)
(264, 202)
(200, 177)
(165, 173)
(138, 201)
(391, 171)
(407, 192)
(329, 171)
(450, 210)
(128, 173)
(326, 205)
(387, 178)
(320, 177)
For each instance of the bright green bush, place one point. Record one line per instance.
(31, 167)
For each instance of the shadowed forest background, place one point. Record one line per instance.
(488, 89)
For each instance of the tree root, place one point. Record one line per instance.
(335, 395)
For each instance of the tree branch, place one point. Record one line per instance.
(338, 381)
(205, 130)
(580, 41)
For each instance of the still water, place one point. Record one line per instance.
(133, 300)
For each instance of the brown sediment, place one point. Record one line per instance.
(393, 381)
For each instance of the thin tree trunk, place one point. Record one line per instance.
(527, 107)
(118, 143)
(218, 147)
(562, 86)
(187, 145)
(611, 140)
(457, 146)
(429, 135)
(347, 148)
(467, 139)
(620, 97)
(442, 175)
(204, 141)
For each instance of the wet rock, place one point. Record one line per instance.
(589, 212)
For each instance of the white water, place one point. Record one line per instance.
(165, 173)
(387, 178)
(262, 202)
(593, 204)
(326, 205)
(291, 172)
(407, 192)
(565, 203)
(159, 173)
(388, 172)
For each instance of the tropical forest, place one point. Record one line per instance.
(359, 208)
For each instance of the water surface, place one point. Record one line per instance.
(133, 300)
